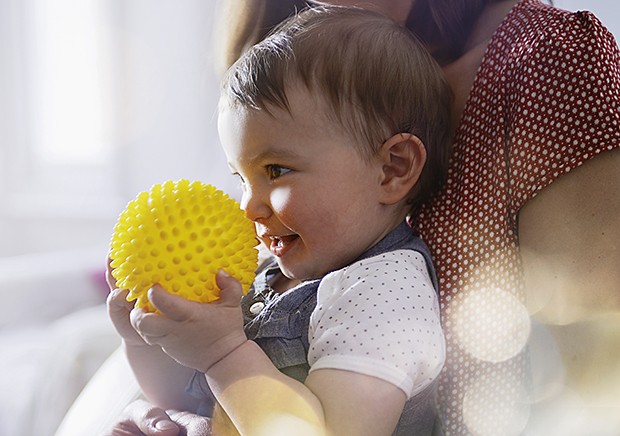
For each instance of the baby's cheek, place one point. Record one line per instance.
(282, 200)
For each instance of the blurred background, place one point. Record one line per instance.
(99, 99)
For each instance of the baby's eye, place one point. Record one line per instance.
(276, 171)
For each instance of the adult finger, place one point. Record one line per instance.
(143, 418)
(191, 424)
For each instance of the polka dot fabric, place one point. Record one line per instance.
(380, 317)
(545, 100)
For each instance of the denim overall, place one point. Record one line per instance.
(279, 323)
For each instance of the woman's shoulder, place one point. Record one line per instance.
(540, 51)
(545, 15)
(564, 55)
(561, 94)
(535, 26)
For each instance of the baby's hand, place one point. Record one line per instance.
(196, 335)
(119, 309)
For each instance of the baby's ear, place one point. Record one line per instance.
(402, 157)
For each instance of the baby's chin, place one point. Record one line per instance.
(304, 273)
(298, 274)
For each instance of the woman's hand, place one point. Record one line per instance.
(142, 418)
(196, 335)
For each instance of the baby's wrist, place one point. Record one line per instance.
(131, 343)
(226, 356)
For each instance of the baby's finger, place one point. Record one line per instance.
(117, 301)
(170, 305)
(109, 278)
(147, 324)
(118, 310)
(230, 289)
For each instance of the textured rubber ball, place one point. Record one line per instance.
(179, 234)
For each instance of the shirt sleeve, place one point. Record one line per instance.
(380, 317)
(565, 106)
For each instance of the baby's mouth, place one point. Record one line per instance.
(281, 244)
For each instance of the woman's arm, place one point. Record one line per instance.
(570, 243)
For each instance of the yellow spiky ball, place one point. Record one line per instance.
(178, 234)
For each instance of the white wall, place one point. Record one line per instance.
(167, 98)
(160, 95)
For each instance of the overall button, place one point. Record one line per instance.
(257, 307)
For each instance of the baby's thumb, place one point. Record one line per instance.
(230, 288)
(171, 305)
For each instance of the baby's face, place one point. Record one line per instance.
(312, 196)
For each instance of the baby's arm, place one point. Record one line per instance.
(161, 378)
(375, 340)
(259, 398)
(252, 391)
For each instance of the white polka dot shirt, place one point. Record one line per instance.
(380, 317)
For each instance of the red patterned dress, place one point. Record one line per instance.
(545, 100)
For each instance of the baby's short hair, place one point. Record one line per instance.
(375, 77)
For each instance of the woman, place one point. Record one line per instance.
(537, 96)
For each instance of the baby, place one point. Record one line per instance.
(337, 126)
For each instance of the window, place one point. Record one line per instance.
(68, 82)
(100, 99)
(56, 150)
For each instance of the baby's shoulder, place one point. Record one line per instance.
(402, 266)
(401, 259)
(388, 280)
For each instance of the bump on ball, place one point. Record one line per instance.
(179, 234)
